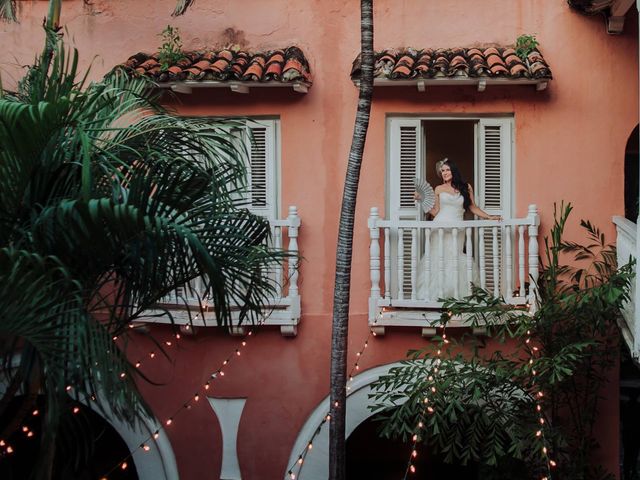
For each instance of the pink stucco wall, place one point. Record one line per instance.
(569, 143)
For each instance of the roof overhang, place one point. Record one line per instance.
(481, 84)
(187, 86)
(617, 13)
(614, 11)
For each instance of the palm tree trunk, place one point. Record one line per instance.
(344, 251)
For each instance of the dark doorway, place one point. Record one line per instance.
(369, 456)
(88, 447)
(631, 177)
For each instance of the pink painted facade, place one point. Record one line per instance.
(569, 144)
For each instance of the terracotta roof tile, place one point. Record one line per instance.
(489, 62)
(254, 72)
(285, 65)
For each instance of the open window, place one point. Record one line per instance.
(482, 150)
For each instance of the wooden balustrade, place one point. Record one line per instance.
(626, 249)
(415, 266)
(283, 309)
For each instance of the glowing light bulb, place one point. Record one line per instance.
(138, 364)
(156, 434)
(25, 429)
(124, 465)
(196, 397)
(146, 448)
(414, 454)
(310, 446)
(35, 413)
(9, 449)
(76, 409)
(30, 434)
(413, 469)
(152, 354)
(169, 421)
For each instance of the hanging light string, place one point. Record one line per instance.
(327, 417)
(145, 445)
(538, 395)
(427, 408)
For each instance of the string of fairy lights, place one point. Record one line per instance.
(146, 445)
(427, 408)
(298, 464)
(538, 395)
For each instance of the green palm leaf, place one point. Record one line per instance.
(107, 204)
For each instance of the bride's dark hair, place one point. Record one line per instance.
(459, 183)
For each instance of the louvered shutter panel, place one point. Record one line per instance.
(493, 190)
(405, 153)
(261, 171)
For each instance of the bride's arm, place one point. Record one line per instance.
(476, 210)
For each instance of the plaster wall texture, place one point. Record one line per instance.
(569, 145)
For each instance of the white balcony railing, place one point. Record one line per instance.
(501, 256)
(626, 246)
(282, 310)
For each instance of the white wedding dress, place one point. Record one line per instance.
(437, 279)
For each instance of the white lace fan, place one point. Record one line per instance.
(427, 195)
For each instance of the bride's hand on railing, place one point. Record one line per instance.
(495, 217)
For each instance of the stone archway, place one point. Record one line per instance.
(631, 176)
(316, 464)
(159, 463)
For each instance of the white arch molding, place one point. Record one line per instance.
(316, 463)
(159, 463)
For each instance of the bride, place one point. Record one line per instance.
(452, 199)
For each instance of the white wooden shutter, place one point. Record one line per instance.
(262, 168)
(405, 164)
(493, 183)
(405, 152)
